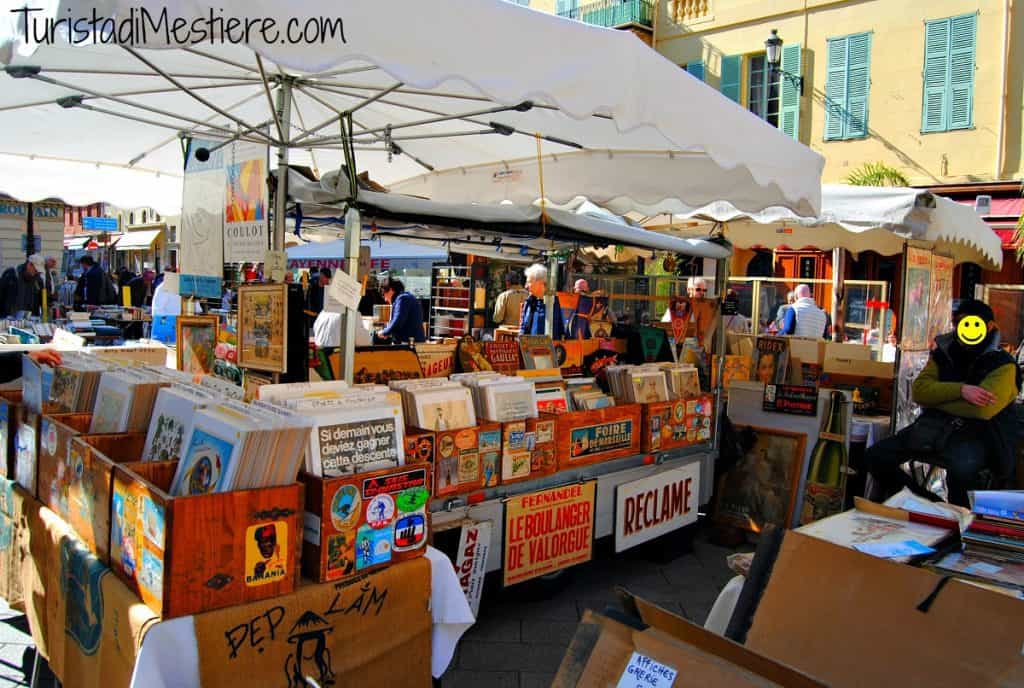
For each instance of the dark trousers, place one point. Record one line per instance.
(963, 458)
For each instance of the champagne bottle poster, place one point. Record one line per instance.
(826, 474)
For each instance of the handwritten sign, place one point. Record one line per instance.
(548, 531)
(345, 290)
(471, 563)
(274, 264)
(644, 672)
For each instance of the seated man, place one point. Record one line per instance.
(968, 419)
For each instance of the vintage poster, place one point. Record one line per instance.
(201, 250)
(772, 365)
(197, 340)
(503, 356)
(380, 365)
(940, 309)
(262, 313)
(548, 531)
(761, 488)
(798, 400)
(245, 202)
(471, 560)
(595, 439)
(361, 445)
(653, 506)
(917, 294)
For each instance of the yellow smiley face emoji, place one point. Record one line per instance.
(971, 330)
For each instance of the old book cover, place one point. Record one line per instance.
(503, 356)
(772, 360)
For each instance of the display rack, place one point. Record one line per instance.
(451, 306)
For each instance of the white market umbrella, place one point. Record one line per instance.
(442, 98)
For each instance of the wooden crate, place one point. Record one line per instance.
(674, 424)
(528, 449)
(10, 403)
(458, 458)
(88, 485)
(54, 473)
(586, 437)
(364, 522)
(26, 447)
(185, 555)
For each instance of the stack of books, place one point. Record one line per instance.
(500, 398)
(75, 382)
(173, 416)
(236, 446)
(642, 384)
(683, 380)
(436, 404)
(586, 395)
(125, 399)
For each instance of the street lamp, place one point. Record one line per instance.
(773, 55)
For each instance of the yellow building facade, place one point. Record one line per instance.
(934, 89)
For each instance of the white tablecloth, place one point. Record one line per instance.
(169, 657)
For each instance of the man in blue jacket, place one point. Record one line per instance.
(406, 315)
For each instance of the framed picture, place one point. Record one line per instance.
(197, 340)
(262, 314)
(761, 489)
(916, 297)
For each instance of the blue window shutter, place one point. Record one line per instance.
(936, 75)
(858, 85)
(789, 106)
(731, 71)
(962, 33)
(835, 90)
(696, 69)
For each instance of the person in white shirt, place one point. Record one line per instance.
(804, 318)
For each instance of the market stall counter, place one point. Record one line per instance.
(95, 632)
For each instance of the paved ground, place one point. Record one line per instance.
(519, 643)
(520, 637)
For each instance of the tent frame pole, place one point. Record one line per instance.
(353, 234)
(283, 116)
(549, 295)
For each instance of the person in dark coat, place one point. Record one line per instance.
(21, 287)
(91, 283)
(406, 315)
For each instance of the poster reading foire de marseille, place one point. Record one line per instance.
(548, 530)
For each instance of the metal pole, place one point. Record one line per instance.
(838, 295)
(353, 231)
(284, 116)
(549, 295)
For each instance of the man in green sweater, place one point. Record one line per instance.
(967, 392)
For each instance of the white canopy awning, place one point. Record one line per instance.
(492, 225)
(139, 240)
(445, 94)
(857, 218)
(76, 243)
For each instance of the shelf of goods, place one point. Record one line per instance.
(452, 308)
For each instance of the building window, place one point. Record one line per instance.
(949, 46)
(847, 86)
(131, 218)
(695, 68)
(763, 90)
(143, 217)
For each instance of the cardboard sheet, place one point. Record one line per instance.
(853, 620)
(373, 631)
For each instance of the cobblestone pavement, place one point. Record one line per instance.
(519, 643)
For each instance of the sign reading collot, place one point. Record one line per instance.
(547, 531)
(471, 562)
(649, 507)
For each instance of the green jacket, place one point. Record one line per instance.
(930, 392)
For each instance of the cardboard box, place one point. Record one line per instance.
(859, 366)
(603, 647)
(673, 424)
(55, 471)
(808, 349)
(89, 484)
(185, 555)
(854, 620)
(586, 437)
(364, 522)
(849, 352)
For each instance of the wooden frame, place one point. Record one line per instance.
(751, 483)
(262, 318)
(187, 323)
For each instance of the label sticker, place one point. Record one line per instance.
(345, 507)
(410, 532)
(266, 553)
(644, 672)
(380, 511)
(373, 547)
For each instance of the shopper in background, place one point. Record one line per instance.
(142, 289)
(21, 287)
(66, 292)
(509, 304)
(532, 320)
(968, 423)
(406, 314)
(315, 294)
(165, 302)
(581, 286)
(51, 279)
(10, 362)
(780, 315)
(804, 318)
(95, 285)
